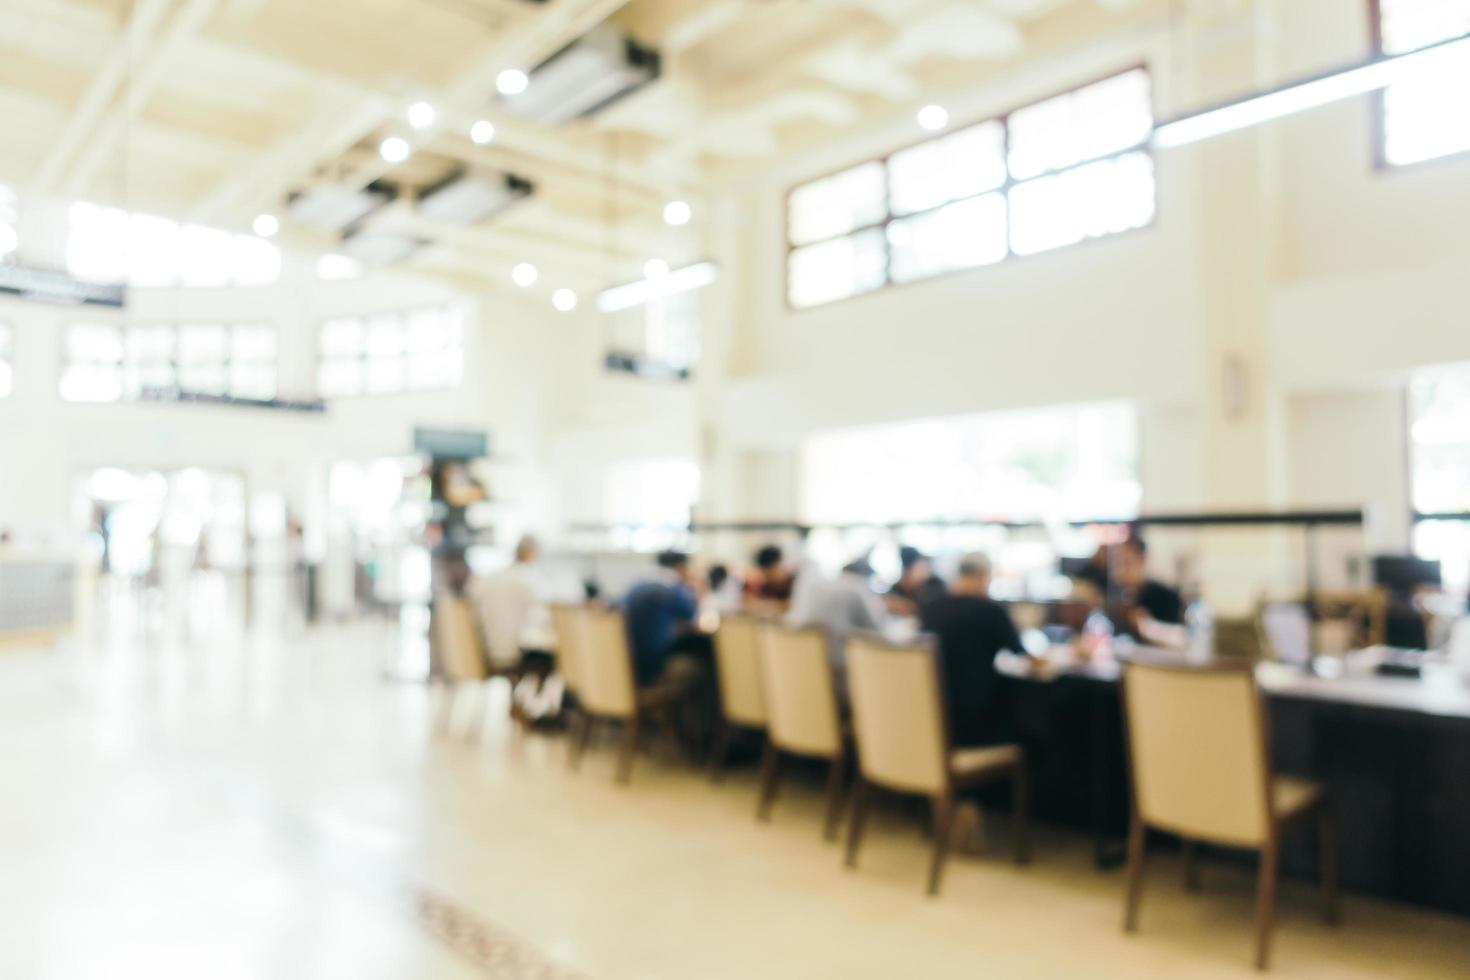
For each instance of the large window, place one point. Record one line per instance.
(1065, 463)
(1427, 116)
(1044, 176)
(391, 352)
(7, 360)
(112, 245)
(1439, 439)
(107, 362)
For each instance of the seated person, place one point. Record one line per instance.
(1141, 607)
(971, 629)
(771, 581)
(662, 615)
(725, 593)
(842, 606)
(917, 584)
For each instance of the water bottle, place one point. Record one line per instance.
(1200, 623)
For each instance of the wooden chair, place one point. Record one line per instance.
(464, 662)
(900, 719)
(802, 714)
(1349, 619)
(567, 622)
(738, 669)
(608, 687)
(1200, 767)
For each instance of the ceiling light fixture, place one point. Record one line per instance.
(265, 225)
(933, 118)
(524, 275)
(511, 81)
(421, 115)
(482, 132)
(565, 300)
(632, 294)
(677, 213)
(1307, 93)
(395, 149)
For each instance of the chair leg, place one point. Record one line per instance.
(1191, 864)
(943, 816)
(770, 773)
(1327, 861)
(1136, 835)
(859, 817)
(1266, 902)
(578, 740)
(1021, 788)
(835, 774)
(719, 752)
(630, 749)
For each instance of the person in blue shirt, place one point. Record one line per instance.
(661, 614)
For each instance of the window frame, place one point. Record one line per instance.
(176, 328)
(1004, 189)
(364, 357)
(1378, 109)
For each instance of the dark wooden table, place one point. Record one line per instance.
(1394, 751)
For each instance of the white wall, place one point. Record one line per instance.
(46, 443)
(1282, 249)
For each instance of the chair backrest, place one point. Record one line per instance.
(898, 714)
(1197, 751)
(568, 622)
(801, 699)
(457, 639)
(608, 685)
(737, 661)
(1287, 628)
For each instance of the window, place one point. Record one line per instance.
(110, 362)
(112, 245)
(390, 352)
(1439, 460)
(1426, 116)
(1047, 175)
(7, 360)
(1065, 463)
(645, 499)
(9, 223)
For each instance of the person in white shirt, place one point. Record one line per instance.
(841, 606)
(512, 608)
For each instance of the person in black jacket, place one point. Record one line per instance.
(971, 629)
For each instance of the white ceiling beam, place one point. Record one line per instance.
(84, 118)
(150, 75)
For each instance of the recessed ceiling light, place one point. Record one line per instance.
(933, 117)
(564, 300)
(524, 275)
(655, 269)
(677, 213)
(421, 115)
(265, 225)
(511, 81)
(482, 132)
(394, 149)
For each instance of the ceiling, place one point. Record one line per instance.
(215, 110)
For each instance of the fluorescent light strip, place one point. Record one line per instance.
(1308, 93)
(632, 294)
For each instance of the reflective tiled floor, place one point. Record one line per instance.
(203, 802)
